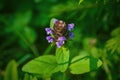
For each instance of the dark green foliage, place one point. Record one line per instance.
(97, 34)
(114, 41)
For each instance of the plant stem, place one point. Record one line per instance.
(64, 76)
(49, 49)
(105, 65)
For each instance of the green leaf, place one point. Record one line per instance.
(81, 1)
(29, 77)
(95, 52)
(21, 20)
(30, 34)
(27, 37)
(52, 23)
(82, 64)
(113, 42)
(11, 72)
(34, 78)
(62, 56)
(116, 32)
(45, 65)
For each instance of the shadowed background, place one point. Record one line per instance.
(97, 29)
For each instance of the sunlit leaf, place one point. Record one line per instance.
(45, 65)
(82, 64)
(62, 56)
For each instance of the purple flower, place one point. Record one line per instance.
(59, 33)
(50, 39)
(71, 35)
(70, 26)
(49, 30)
(55, 20)
(59, 43)
(61, 39)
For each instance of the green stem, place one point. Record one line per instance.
(49, 49)
(64, 76)
(105, 65)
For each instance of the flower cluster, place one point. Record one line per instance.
(60, 32)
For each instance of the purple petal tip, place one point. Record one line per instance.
(70, 26)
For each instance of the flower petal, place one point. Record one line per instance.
(55, 20)
(61, 38)
(70, 26)
(71, 35)
(59, 43)
(50, 39)
(49, 30)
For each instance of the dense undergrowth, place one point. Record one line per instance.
(23, 36)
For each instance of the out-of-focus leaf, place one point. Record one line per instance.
(81, 1)
(113, 44)
(11, 72)
(21, 20)
(45, 65)
(116, 32)
(24, 58)
(62, 56)
(27, 37)
(95, 52)
(29, 34)
(34, 78)
(82, 64)
(86, 43)
(37, 1)
(29, 77)
(59, 9)
(41, 19)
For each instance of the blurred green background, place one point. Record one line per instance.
(22, 34)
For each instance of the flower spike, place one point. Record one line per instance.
(60, 32)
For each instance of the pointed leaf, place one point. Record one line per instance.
(83, 64)
(45, 65)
